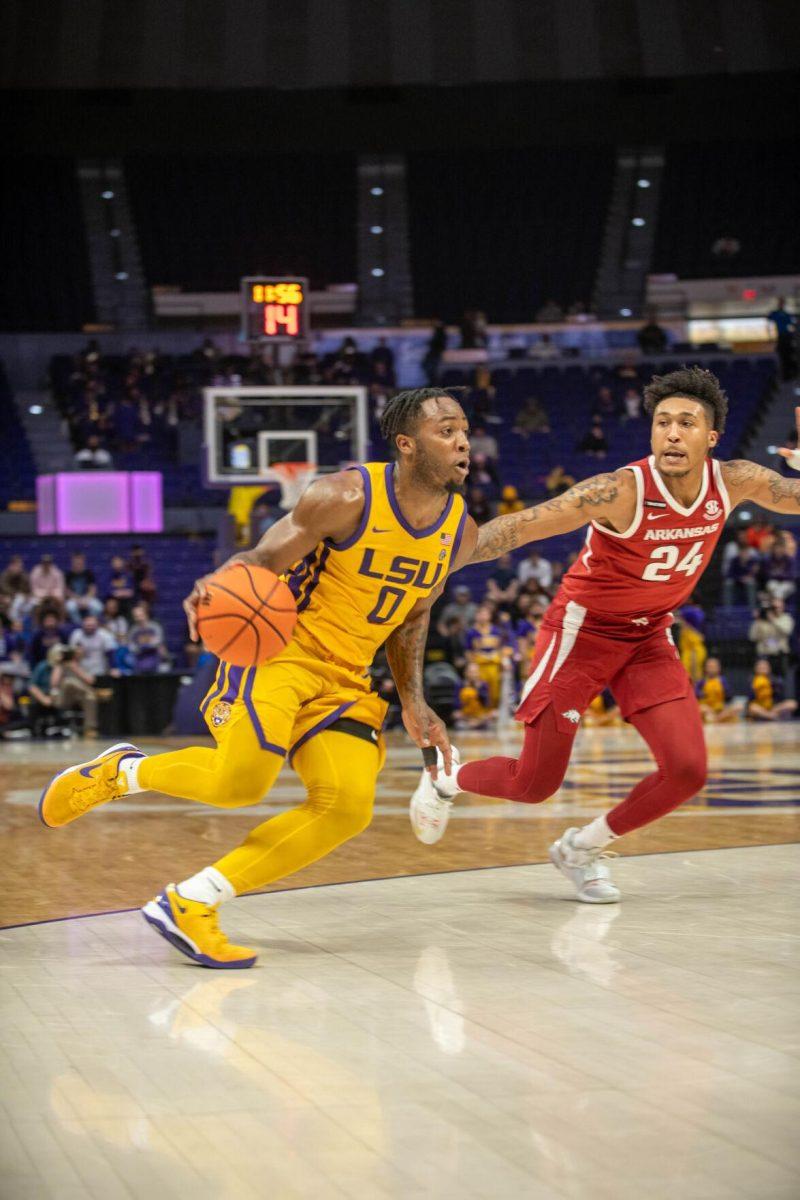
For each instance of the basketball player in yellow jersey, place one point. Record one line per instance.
(366, 552)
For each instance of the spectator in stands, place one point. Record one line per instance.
(49, 633)
(12, 719)
(594, 444)
(482, 472)
(474, 705)
(141, 571)
(732, 547)
(93, 456)
(606, 403)
(79, 576)
(714, 695)
(741, 577)
(631, 405)
(544, 349)
(96, 645)
(434, 351)
(531, 418)
(502, 586)
(771, 631)
(479, 505)
(72, 687)
(766, 702)
(446, 643)
(779, 566)
(267, 511)
(691, 621)
(651, 337)
(461, 606)
(113, 620)
(209, 351)
(510, 501)
(15, 580)
(146, 642)
(786, 330)
(579, 310)
(480, 400)
(79, 607)
(120, 585)
(550, 311)
(381, 360)
(558, 482)
(487, 647)
(537, 568)
(47, 581)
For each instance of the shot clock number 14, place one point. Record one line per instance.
(274, 308)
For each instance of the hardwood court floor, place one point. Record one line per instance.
(119, 856)
(469, 1033)
(473, 1034)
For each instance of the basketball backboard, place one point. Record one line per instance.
(260, 434)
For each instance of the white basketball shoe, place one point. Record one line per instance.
(429, 810)
(585, 870)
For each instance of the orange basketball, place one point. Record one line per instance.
(249, 617)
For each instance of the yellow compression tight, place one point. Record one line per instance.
(339, 771)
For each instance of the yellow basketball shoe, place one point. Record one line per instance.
(75, 790)
(193, 928)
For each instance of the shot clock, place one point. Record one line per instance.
(274, 308)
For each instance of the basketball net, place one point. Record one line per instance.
(294, 478)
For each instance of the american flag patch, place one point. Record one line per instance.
(446, 539)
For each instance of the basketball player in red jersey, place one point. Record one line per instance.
(653, 526)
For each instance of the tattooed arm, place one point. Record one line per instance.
(750, 481)
(608, 499)
(405, 651)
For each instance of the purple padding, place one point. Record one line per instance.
(101, 502)
(147, 506)
(46, 503)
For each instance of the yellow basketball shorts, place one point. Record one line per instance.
(290, 699)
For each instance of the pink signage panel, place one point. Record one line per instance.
(100, 502)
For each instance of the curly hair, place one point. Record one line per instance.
(403, 410)
(696, 384)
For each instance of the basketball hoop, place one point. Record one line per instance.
(294, 478)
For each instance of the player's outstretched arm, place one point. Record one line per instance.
(330, 507)
(609, 499)
(747, 480)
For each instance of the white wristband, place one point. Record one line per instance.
(794, 460)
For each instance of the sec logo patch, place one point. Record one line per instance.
(220, 713)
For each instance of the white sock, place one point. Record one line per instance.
(129, 767)
(208, 886)
(594, 836)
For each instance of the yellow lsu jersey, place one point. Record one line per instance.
(351, 595)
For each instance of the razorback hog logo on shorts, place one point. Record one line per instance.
(713, 508)
(573, 715)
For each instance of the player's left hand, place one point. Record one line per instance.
(426, 729)
(793, 456)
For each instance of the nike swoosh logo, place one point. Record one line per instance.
(656, 516)
(87, 771)
(376, 530)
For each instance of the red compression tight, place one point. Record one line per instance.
(673, 731)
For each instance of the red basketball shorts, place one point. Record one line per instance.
(579, 653)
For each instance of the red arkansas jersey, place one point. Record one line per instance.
(650, 569)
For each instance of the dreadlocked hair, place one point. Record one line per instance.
(403, 410)
(694, 383)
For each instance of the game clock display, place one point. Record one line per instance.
(274, 308)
